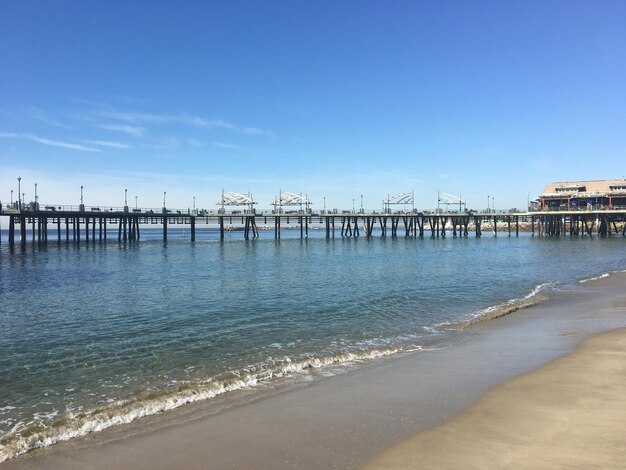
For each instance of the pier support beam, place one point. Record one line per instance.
(11, 231)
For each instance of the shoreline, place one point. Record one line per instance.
(569, 413)
(325, 396)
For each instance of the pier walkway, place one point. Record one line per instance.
(93, 224)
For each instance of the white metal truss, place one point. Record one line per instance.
(399, 199)
(236, 199)
(291, 199)
(450, 200)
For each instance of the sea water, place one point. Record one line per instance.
(97, 334)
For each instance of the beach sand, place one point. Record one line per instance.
(348, 419)
(570, 413)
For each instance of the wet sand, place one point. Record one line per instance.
(346, 420)
(570, 413)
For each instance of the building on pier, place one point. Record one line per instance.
(584, 195)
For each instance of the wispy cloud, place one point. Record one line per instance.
(50, 142)
(182, 118)
(230, 146)
(257, 131)
(40, 115)
(126, 129)
(133, 118)
(195, 143)
(106, 143)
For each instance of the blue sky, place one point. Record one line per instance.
(332, 98)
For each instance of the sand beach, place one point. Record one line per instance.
(570, 413)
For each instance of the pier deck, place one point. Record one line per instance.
(91, 225)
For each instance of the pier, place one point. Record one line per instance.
(71, 224)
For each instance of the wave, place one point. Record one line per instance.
(537, 295)
(601, 276)
(150, 403)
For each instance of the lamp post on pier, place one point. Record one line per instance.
(324, 204)
(488, 203)
(125, 200)
(164, 193)
(361, 204)
(353, 205)
(36, 198)
(82, 204)
(194, 204)
(493, 204)
(11, 198)
(136, 203)
(19, 190)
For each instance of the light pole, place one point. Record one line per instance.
(493, 203)
(324, 204)
(164, 193)
(487, 203)
(136, 203)
(19, 190)
(11, 198)
(81, 195)
(36, 198)
(353, 205)
(361, 204)
(194, 204)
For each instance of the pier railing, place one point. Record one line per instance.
(74, 223)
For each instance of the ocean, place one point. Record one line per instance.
(93, 335)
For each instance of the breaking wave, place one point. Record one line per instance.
(601, 276)
(74, 425)
(537, 295)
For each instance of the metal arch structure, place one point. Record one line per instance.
(450, 200)
(236, 199)
(399, 199)
(291, 199)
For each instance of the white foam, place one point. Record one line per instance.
(601, 276)
(501, 309)
(126, 412)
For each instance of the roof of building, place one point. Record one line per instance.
(585, 188)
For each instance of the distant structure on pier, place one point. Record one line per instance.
(406, 200)
(236, 199)
(581, 195)
(287, 199)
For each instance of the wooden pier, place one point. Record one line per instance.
(92, 225)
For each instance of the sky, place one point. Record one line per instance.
(333, 99)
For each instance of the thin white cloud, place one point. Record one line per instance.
(256, 131)
(106, 143)
(195, 143)
(182, 118)
(40, 115)
(57, 143)
(126, 129)
(50, 142)
(9, 135)
(230, 146)
(137, 118)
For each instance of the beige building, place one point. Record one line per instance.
(583, 195)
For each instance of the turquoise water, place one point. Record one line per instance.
(94, 335)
